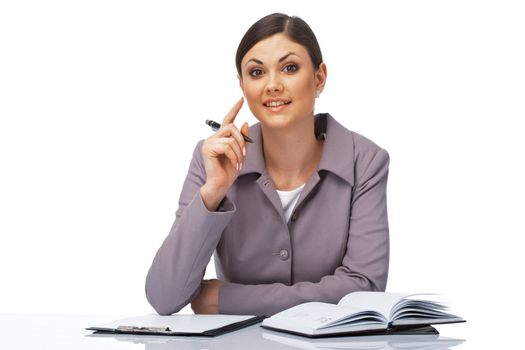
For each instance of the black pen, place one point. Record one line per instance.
(215, 126)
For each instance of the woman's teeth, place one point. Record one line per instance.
(276, 103)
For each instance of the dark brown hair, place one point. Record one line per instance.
(293, 27)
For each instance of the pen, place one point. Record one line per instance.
(215, 126)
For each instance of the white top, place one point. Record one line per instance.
(289, 199)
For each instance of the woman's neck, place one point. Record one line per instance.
(292, 154)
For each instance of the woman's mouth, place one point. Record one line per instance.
(276, 106)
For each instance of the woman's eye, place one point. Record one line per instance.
(255, 72)
(290, 68)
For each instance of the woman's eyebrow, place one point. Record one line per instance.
(280, 59)
(286, 56)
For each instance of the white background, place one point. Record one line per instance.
(102, 102)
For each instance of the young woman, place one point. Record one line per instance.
(299, 215)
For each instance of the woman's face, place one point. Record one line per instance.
(279, 82)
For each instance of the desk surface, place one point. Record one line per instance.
(18, 331)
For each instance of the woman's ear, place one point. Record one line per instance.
(320, 77)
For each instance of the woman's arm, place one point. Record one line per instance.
(363, 267)
(204, 211)
(178, 267)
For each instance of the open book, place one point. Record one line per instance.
(361, 313)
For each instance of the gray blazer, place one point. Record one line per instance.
(336, 241)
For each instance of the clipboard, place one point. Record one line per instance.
(178, 325)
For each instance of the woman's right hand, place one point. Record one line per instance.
(223, 153)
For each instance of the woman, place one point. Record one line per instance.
(299, 215)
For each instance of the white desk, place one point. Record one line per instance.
(67, 332)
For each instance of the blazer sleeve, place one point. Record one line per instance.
(364, 265)
(177, 270)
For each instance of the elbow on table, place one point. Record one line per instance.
(164, 302)
(374, 284)
(364, 282)
(163, 305)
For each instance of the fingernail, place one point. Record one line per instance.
(242, 164)
(238, 166)
(244, 151)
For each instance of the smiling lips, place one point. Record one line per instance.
(276, 105)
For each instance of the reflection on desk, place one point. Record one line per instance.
(258, 338)
(375, 342)
(57, 332)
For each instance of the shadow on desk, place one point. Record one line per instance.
(255, 338)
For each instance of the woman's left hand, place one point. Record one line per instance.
(207, 301)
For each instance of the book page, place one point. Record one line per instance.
(381, 302)
(421, 308)
(308, 317)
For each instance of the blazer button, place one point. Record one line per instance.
(294, 216)
(283, 254)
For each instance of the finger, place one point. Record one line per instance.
(232, 131)
(225, 146)
(234, 146)
(245, 130)
(230, 117)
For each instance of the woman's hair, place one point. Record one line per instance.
(293, 27)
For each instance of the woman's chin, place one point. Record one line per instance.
(283, 120)
(276, 121)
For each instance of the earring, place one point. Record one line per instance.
(317, 94)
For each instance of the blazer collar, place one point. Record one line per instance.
(337, 156)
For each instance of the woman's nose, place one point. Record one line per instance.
(274, 84)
